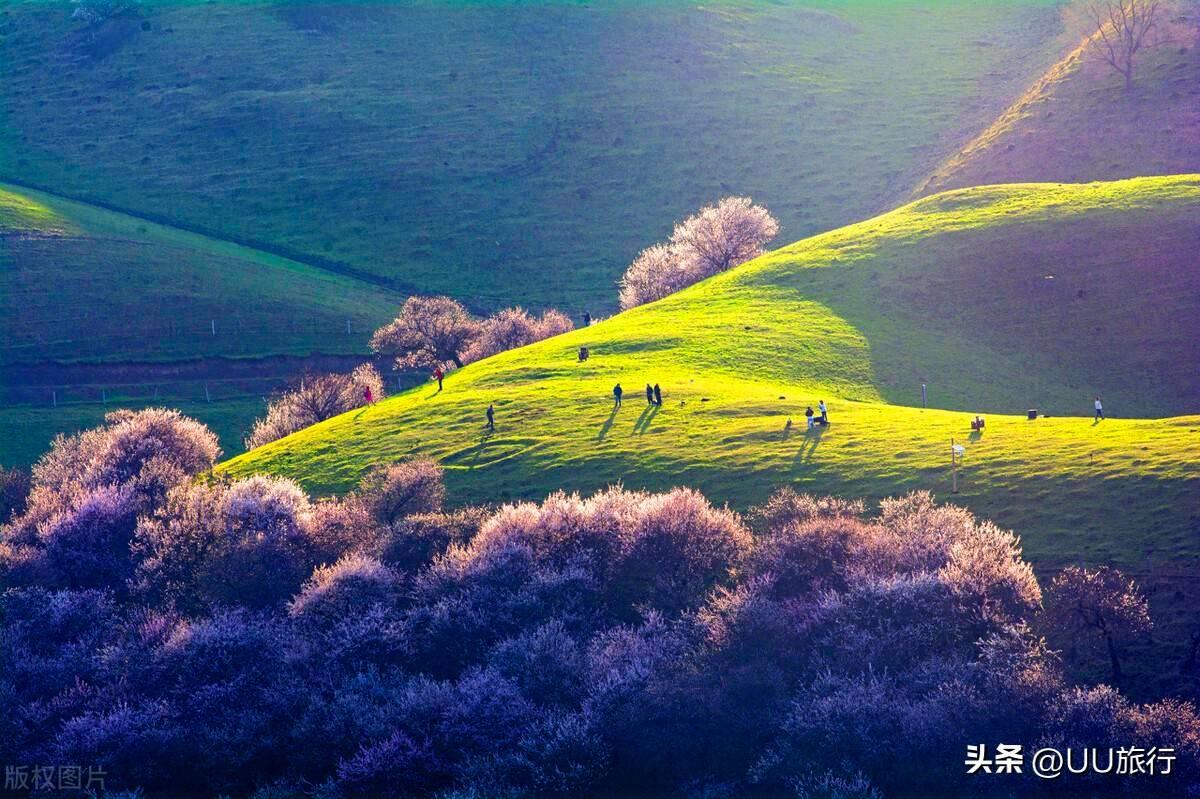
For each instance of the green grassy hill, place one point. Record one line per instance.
(999, 298)
(79, 283)
(1077, 123)
(496, 151)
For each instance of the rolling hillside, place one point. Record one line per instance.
(999, 298)
(100, 310)
(1077, 123)
(499, 152)
(79, 283)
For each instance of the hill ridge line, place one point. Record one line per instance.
(317, 263)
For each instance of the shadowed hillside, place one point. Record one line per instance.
(953, 291)
(134, 313)
(83, 284)
(499, 152)
(1077, 123)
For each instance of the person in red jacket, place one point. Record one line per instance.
(439, 375)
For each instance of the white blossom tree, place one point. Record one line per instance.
(715, 239)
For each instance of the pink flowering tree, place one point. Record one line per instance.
(717, 238)
(312, 399)
(430, 332)
(512, 328)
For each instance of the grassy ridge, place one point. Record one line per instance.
(79, 283)
(1077, 122)
(739, 354)
(500, 152)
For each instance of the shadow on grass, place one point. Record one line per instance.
(812, 438)
(643, 422)
(608, 423)
(484, 438)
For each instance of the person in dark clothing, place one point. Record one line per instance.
(808, 414)
(440, 375)
(491, 417)
(587, 319)
(657, 395)
(649, 394)
(617, 392)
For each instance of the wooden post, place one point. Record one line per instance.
(953, 467)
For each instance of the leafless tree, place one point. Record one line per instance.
(1123, 28)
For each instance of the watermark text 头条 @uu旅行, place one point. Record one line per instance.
(1050, 763)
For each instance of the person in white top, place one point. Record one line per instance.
(1099, 409)
(824, 412)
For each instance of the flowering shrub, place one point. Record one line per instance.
(392, 492)
(245, 544)
(315, 398)
(717, 238)
(241, 639)
(512, 328)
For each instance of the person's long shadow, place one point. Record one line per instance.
(608, 423)
(812, 438)
(643, 422)
(484, 438)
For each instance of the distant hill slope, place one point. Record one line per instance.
(954, 291)
(83, 284)
(501, 152)
(1077, 123)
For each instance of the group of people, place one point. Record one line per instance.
(653, 395)
(819, 417)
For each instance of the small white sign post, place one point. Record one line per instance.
(956, 452)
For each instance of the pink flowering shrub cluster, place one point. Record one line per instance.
(717, 238)
(199, 637)
(315, 398)
(439, 333)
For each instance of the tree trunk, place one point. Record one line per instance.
(1113, 658)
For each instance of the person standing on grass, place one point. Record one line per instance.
(617, 392)
(440, 375)
(649, 394)
(657, 395)
(824, 412)
(368, 396)
(1099, 409)
(491, 417)
(808, 414)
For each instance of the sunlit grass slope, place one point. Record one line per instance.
(79, 283)
(501, 151)
(951, 290)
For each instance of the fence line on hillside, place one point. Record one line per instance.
(190, 391)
